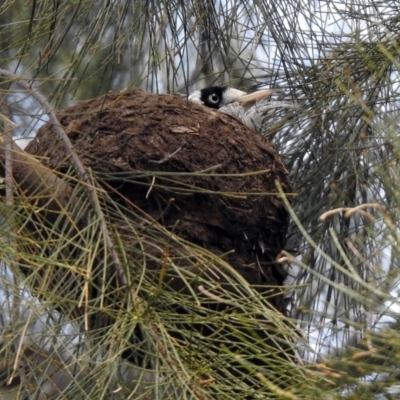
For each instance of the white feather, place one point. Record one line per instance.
(254, 116)
(231, 95)
(195, 96)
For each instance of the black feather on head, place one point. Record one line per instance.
(213, 96)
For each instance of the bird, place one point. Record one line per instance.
(249, 108)
(220, 96)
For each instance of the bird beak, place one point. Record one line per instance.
(249, 99)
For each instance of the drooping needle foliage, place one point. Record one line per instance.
(340, 62)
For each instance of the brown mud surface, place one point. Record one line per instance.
(145, 144)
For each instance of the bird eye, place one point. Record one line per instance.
(213, 98)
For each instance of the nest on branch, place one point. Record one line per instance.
(188, 199)
(199, 173)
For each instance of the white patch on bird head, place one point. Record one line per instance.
(196, 97)
(231, 95)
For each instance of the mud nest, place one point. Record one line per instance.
(229, 206)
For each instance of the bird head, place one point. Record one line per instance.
(249, 108)
(221, 96)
